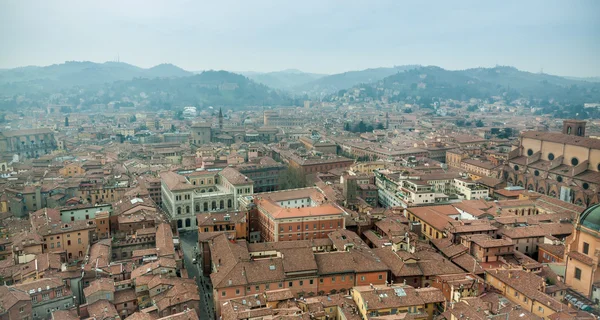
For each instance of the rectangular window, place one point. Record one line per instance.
(281, 284)
(311, 281)
(586, 248)
(577, 273)
(290, 284)
(300, 282)
(58, 293)
(332, 279)
(45, 296)
(223, 293)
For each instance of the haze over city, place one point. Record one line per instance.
(558, 37)
(299, 160)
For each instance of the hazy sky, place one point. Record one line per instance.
(562, 37)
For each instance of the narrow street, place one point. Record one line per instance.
(189, 240)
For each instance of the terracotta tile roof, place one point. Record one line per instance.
(268, 246)
(559, 137)
(235, 177)
(554, 249)
(491, 243)
(437, 220)
(189, 314)
(175, 182)
(126, 295)
(211, 219)
(99, 255)
(471, 226)
(9, 297)
(100, 285)
(162, 262)
(164, 240)
(529, 284)
(581, 257)
(468, 263)
(279, 295)
(523, 232)
(41, 283)
(558, 229)
(65, 315)
(279, 212)
(138, 315)
(396, 264)
(383, 297)
(65, 227)
(182, 291)
(101, 310)
(298, 259)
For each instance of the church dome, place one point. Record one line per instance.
(590, 218)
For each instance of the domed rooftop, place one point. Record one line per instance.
(590, 217)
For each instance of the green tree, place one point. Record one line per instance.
(379, 126)
(292, 178)
(133, 119)
(479, 123)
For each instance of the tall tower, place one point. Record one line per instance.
(387, 120)
(220, 119)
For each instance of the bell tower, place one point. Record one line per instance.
(574, 127)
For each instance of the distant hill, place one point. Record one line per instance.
(589, 79)
(285, 79)
(336, 82)
(76, 73)
(209, 88)
(434, 82)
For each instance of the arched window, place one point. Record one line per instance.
(202, 191)
(569, 130)
(194, 182)
(222, 204)
(580, 131)
(197, 208)
(188, 222)
(205, 206)
(201, 181)
(214, 205)
(210, 190)
(178, 210)
(187, 209)
(229, 203)
(179, 224)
